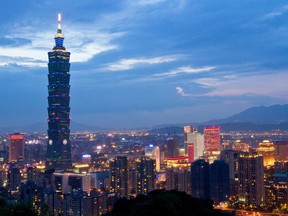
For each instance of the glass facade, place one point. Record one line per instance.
(58, 147)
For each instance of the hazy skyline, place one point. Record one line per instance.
(145, 62)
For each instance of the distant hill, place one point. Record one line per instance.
(275, 114)
(258, 118)
(167, 130)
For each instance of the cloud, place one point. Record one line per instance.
(208, 82)
(184, 70)
(271, 85)
(181, 92)
(127, 64)
(82, 41)
(275, 13)
(150, 2)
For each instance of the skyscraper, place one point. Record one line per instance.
(212, 143)
(281, 150)
(58, 148)
(200, 186)
(16, 147)
(193, 138)
(171, 147)
(118, 174)
(145, 175)
(154, 153)
(219, 181)
(251, 180)
(212, 137)
(178, 179)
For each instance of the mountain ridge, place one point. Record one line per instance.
(262, 117)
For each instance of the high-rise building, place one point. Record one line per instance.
(251, 180)
(266, 149)
(171, 147)
(99, 180)
(281, 150)
(68, 182)
(118, 175)
(219, 181)
(178, 179)
(193, 137)
(212, 143)
(280, 182)
(188, 130)
(132, 181)
(231, 158)
(190, 150)
(154, 153)
(14, 178)
(200, 187)
(58, 154)
(16, 147)
(145, 175)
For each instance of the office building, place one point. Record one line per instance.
(178, 179)
(190, 150)
(153, 152)
(68, 182)
(251, 180)
(16, 147)
(132, 181)
(281, 150)
(99, 180)
(267, 150)
(212, 144)
(193, 137)
(188, 130)
(231, 158)
(118, 175)
(14, 178)
(219, 181)
(145, 175)
(58, 155)
(200, 187)
(171, 147)
(212, 138)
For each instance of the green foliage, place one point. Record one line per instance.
(168, 203)
(18, 209)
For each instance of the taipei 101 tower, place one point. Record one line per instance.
(58, 156)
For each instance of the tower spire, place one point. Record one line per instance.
(59, 30)
(59, 37)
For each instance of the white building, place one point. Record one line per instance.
(67, 182)
(154, 153)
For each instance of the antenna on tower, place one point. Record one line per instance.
(59, 23)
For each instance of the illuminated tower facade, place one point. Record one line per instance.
(58, 148)
(212, 138)
(267, 150)
(212, 144)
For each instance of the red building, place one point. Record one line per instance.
(190, 152)
(16, 147)
(212, 138)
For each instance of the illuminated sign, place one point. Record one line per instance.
(16, 136)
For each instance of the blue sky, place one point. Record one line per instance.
(145, 62)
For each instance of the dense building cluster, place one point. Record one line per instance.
(249, 174)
